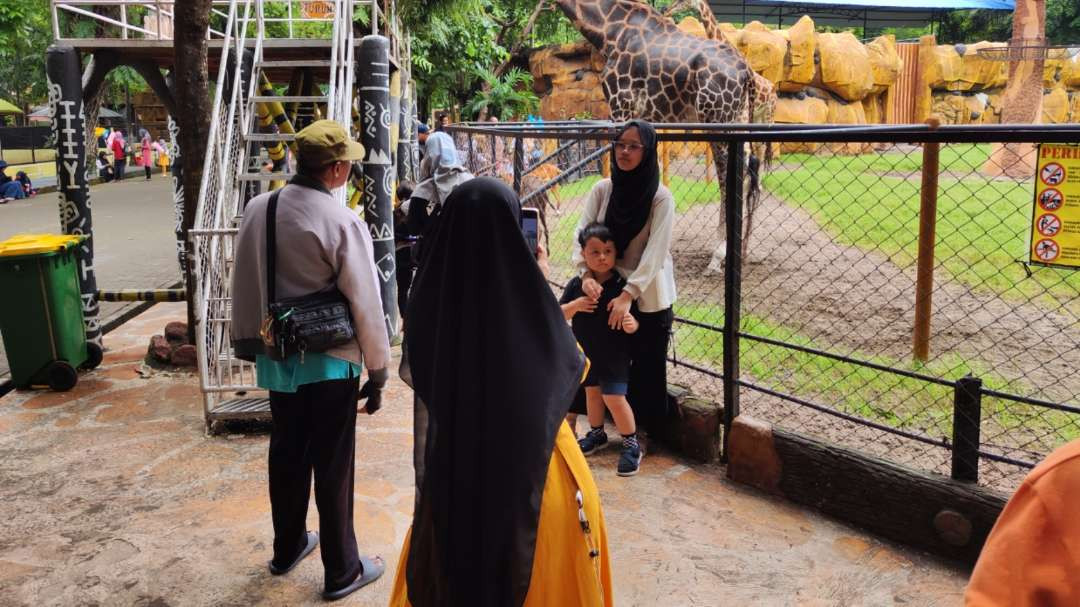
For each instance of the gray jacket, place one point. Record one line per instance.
(319, 244)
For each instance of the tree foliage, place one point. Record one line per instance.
(1062, 24)
(22, 50)
(506, 96)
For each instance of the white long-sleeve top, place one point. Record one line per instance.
(646, 263)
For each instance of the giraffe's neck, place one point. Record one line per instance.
(589, 17)
(601, 21)
(712, 28)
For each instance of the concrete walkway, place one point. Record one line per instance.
(112, 495)
(134, 236)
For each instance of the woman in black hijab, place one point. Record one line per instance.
(640, 212)
(496, 366)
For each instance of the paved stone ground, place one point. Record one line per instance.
(133, 230)
(113, 495)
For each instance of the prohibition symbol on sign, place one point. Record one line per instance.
(1047, 250)
(1052, 174)
(1048, 224)
(1051, 199)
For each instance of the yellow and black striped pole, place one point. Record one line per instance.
(155, 295)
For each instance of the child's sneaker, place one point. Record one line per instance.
(629, 459)
(595, 439)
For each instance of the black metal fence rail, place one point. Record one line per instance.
(817, 328)
(25, 144)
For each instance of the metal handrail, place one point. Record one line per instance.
(165, 9)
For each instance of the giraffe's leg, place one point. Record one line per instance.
(720, 158)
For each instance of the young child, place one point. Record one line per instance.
(608, 349)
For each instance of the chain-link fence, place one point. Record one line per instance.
(968, 369)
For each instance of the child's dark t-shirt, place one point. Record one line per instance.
(608, 349)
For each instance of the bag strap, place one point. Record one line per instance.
(271, 246)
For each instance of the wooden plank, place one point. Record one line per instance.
(926, 510)
(901, 97)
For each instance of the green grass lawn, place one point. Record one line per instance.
(886, 398)
(982, 224)
(957, 157)
(688, 193)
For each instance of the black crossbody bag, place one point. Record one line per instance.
(314, 322)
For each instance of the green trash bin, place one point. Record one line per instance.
(41, 311)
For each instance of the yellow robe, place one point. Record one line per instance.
(563, 573)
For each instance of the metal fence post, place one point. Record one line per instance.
(472, 153)
(519, 157)
(733, 211)
(924, 279)
(967, 418)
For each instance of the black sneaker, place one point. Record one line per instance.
(629, 460)
(595, 439)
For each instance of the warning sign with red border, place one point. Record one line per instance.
(1055, 216)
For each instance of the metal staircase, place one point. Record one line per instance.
(243, 98)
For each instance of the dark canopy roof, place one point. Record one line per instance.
(848, 13)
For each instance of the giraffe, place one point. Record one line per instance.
(761, 111)
(657, 72)
(763, 106)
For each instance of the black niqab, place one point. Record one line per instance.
(497, 367)
(632, 192)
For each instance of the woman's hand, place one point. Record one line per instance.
(591, 288)
(542, 259)
(629, 324)
(584, 304)
(619, 307)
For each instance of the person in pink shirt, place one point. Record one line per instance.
(147, 157)
(119, 151)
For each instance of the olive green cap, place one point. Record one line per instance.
(325, 141)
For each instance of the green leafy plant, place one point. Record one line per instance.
(504, 97)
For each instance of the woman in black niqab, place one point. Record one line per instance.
(632, 192)
(496, 366)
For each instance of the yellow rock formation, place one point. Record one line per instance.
(567, 79)
(692, 26)
(809, 110)
(764, 50)
(1055, 108)
(845, 65)
(799, 67)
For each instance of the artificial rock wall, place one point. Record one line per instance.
(820, 78)
(964, 87)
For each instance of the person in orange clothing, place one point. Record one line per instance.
(1032, 556)
(507, 511)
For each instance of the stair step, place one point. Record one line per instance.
(241, 408)
(289, 98)
(295, 63)
(270, 136)
(265, 176)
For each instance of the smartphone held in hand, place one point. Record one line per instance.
(530, 227)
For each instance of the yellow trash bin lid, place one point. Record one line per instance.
(35, 244)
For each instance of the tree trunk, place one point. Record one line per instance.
(190, 24)
(1023, 97)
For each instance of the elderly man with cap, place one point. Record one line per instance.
(314, 396)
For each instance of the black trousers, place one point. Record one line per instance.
(648, 369)
(121, 166)
(314, 433)
(405, 269)
(147, 167)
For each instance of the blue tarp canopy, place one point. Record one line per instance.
(848, 13)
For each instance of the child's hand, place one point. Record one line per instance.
(629, 323)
